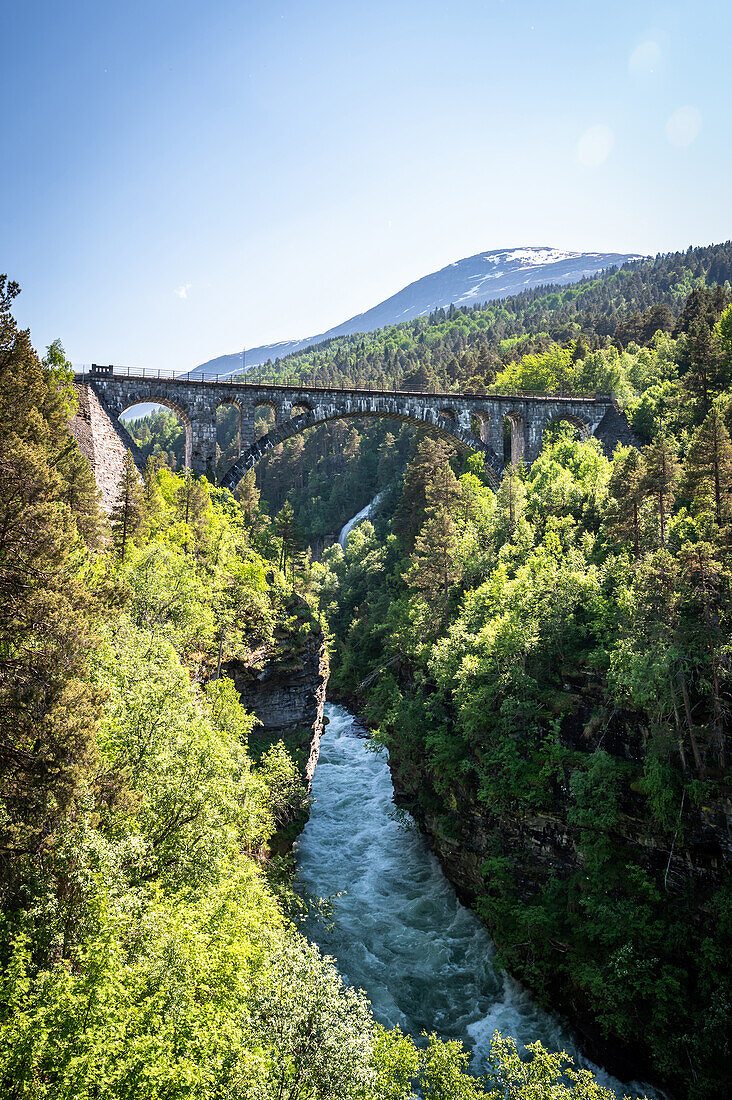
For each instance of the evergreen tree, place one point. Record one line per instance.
(435, 567)
(248, 495)
(443, 490)
(79, 489)
(287, 532)
(627, 487)
(429, 457)
(48, 708)
(128, 509)
(709, 465)
(661, 476)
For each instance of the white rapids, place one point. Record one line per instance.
(398, 930)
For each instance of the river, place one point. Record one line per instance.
(398, 930)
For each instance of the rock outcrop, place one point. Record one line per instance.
(285, 689)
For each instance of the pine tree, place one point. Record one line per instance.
(248, 494)
(128, 510)
(288, 532)
(48, 707)
(661, 477)
(435, 567)
(709, 465)
(443, 490)
(429, 457)
(627, 487)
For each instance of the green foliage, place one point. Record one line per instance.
(49, 521)
(579, 678)
(543, 1075)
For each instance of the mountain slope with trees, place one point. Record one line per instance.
(475, 279)
(549, 667)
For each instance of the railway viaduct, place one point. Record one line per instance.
(470, 421)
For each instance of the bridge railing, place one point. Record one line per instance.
(86, 371)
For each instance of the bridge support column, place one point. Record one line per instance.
(534, 433)
(203, 441)
(247, 426)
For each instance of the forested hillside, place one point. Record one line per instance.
(147, 946)
(466, 347)
(549, 667)
(579, 339)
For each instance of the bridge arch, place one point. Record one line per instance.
(299, 407)
(481, 423)
(430, 421)
(227, 451)
(584, 428)
(514, 436)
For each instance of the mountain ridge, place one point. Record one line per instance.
(496, 273)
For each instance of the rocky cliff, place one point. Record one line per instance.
(285, 687)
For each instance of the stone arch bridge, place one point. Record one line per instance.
(470, 421)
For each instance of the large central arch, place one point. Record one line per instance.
(437, 424)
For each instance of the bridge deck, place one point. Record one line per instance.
(368, 391)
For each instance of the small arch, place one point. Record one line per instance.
(300, 407)
(229, 435)
(553, 425)
(513, 437)
(449, 414)
(147, 404)
(265, 417)
(480, 425)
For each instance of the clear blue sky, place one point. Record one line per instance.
(182, 177)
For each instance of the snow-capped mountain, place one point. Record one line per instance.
(475, 279)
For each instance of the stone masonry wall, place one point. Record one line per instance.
(101, 442)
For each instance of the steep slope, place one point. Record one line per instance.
(480, 278)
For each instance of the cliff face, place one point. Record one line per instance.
(687, 864)
(285, 688)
